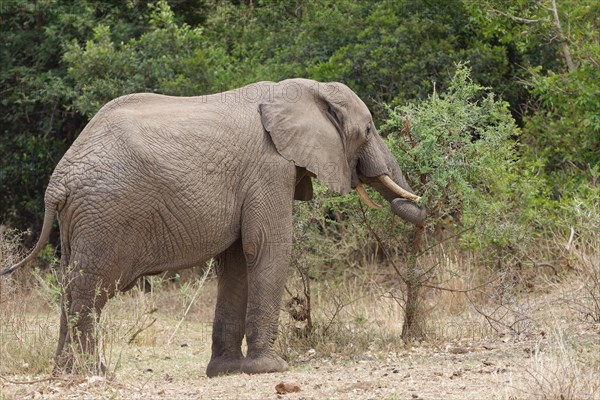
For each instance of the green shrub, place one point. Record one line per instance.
(458, 149)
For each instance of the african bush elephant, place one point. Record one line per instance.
(157, 183)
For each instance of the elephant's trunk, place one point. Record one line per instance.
(378, 168)
(408, 210)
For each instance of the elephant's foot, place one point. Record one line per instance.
(223, 366)
(264, 364)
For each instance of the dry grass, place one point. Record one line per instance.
(29, 320)
(151, 341)
(569, 365)
(566, 368)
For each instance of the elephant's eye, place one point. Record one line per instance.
(368, 131)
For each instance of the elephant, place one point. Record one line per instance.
(158, 183)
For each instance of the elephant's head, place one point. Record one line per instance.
(328, 130)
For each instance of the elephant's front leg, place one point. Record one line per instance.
(267, 241)
(230, 314)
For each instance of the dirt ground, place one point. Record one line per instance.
(493, 370)
(168, 357)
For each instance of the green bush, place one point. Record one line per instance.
(169, 58)
(458, 149)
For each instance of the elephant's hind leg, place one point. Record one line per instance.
(82, 301)
(230, 314)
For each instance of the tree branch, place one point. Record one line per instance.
(514, 17)
(563, 39)
(458, 290)
(378, 239)
(444, 240)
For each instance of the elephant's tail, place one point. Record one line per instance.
(49, 214)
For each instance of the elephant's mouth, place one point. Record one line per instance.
(402, 201)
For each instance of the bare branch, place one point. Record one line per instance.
(488, 317)
(51, 378)
(379, 241)
(444, 240)
(140, 330)
(563, 40)
(514, 17)
(458, 290)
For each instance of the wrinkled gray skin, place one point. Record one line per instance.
(157, 183)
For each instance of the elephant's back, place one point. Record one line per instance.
(165, 133)
(162, 168)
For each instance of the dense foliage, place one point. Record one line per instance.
(61, 60)
(458, 146)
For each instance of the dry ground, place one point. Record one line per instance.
(157, 346)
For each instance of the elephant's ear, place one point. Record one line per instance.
(305, 127)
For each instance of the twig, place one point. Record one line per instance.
(399, 301)
(445, 240)
(487, 317)
(458, 290)
(406, 130)
(338, 308)
(140, 330)
(513, 17)
(201, 284)
(340, 305)
(536, 264)
(378, 239)
(50, 378)
(543, 264)
(490, 319)
(307, 295)
(288, 291)
(426, 272)
(151, 311)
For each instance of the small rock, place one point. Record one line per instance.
(184, 345)
(458, 350)
(148, 370)
(287, 387)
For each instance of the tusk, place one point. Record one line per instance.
(362, 193)
(394, 187)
